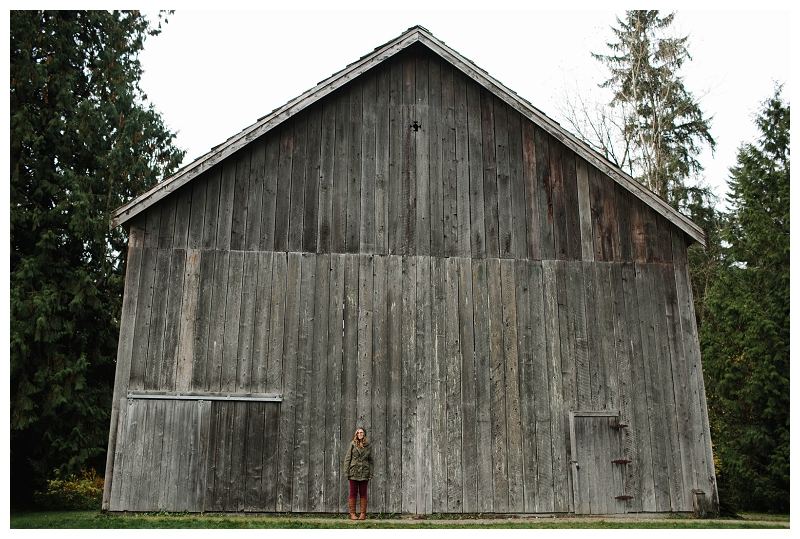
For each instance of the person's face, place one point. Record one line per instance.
(360, 434)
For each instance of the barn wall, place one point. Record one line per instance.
(457, 289)
(462, 370)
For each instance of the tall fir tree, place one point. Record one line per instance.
(84, 141)
(745, 335)
(661, 126)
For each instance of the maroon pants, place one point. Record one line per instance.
(360, 487)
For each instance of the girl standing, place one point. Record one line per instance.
(358, 469)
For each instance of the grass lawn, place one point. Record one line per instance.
(98, 520)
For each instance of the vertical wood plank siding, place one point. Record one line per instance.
(411, 255)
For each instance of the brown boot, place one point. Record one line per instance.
(363, 514)
(352, 502)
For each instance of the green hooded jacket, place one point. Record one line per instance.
(358, 462)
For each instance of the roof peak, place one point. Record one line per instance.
(415, 34)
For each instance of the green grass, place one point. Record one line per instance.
(98, 520)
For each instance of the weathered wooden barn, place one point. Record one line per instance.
(411, 247)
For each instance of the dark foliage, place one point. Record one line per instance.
(745, 334)
(83, 142)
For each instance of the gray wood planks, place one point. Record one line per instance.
(172, 317)
(584, 210)
(422, 389)
(368, 165)
(421, 199)
(449, 180)
(283, 188)
(241, 200)
(572, 208)
(253, 464)
(312, 180)
(469, 404)
(464, 227)
(504, 207)
(286, 443)
(303, 387)
(362, 390)
(379, 383)
(438, 388)
(558, 415)
(545, 495)
(382, 164)
(623, 343)
(409, 436)
(257, 178)
(141, 326)
(529, 178)
(317, 386)
(269, 197)
(158, 320)
(704, 475)
(512, 387)
(515, 170)
(491, 215)
(326, 176)
(527, 427)
(397, 130)
(274, 362)
(653, 391)
(435, 129)
(183, 210)
(679, 381)
(480, 292)
(123, 367)
(245, 355)
(353, 204)
(666, 397)
(297, 191)
(394, 411)
(640, 423)
(334, 437)
(623, 213)
(544, 194)
(227, 188)
(559, 211)
(476, 198)
(195, 234)
(233, 311)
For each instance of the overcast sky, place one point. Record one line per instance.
(212, 73)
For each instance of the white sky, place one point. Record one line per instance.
(212, 73)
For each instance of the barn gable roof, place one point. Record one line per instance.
(416, 34)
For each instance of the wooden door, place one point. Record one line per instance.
(598, 478)
(195, 455)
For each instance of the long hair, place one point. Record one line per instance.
(360, 443)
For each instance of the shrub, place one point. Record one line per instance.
(84, 491)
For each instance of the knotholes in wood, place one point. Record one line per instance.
(416, 126)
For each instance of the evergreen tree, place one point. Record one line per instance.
(660, 123)
(83, 142)
(745, 336)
